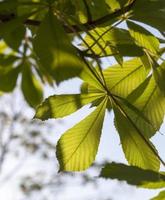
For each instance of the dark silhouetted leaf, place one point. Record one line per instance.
(133, 175)
(55, 52)
(31, 87)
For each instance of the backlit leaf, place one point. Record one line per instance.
(90, 75)
(123, 80)
(159, 75)
(77, 148)
(139, 151)
(143, 38)
(149, 100)
(108, 38)
(161, 196)
(57, 106)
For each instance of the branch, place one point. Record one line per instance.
(88, 25)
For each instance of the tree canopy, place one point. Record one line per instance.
(47, 42)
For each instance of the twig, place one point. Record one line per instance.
(88, 25)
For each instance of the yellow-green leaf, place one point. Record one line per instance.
(123, 80)
(105, 39)
(160, 196)
(159, 75)
(149, 100)
(77, 148)
(143, 38)
(57, 106)
(90, 75)
(139, 151)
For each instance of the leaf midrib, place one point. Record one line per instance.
(125, 77)
(147, 102)
(58, 105)
(92, 124)
(135, 143)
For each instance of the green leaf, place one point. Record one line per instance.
(31, 87)
(50, 1)
(56, 53)
(143, 38)
(77, 148)
(57, 106)
(13, 32)
(8, 78)
(113, 4)
(123, 80)
(97, 8)
(80, 12)
(139, 151)
(133, 175)
(120, 81)
(108, 37)
(31, 6)
(7, 60)
(131, 109)
(146, 60)
(3, 47)
(8, 6)
(67, 7)
(159, 75)
(90, 9)
(87, 89)
(161, 196)
(150, 12)
(149, 100)
(90, 75)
